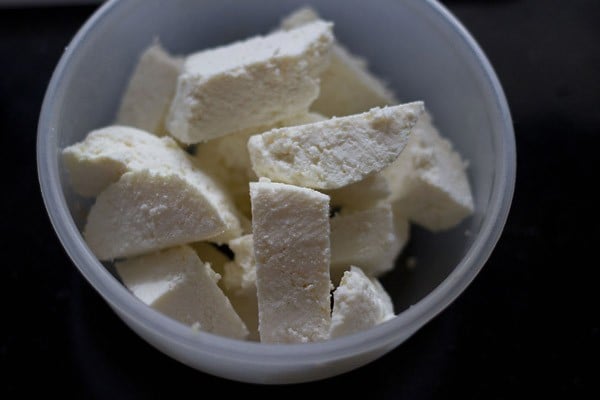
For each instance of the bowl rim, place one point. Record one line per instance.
(386, 334)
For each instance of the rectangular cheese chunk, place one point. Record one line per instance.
(336, 152)
(251, 83)
(359, 303)
(428, 181)
(347, 86)
(178, 284)
(291, 244)
(150, 90)
(367, 239)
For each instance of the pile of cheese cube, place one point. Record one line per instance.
(303, 167)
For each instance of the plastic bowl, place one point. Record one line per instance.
(418, 46)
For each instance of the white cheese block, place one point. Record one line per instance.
(178, 284)
(359, 303)
(149, 210)
(367, 239)
(367, 193)
(291, 244)
(337, 152)
(228, 160)
(347, 86)
(428, 181)
(240, 275)
(150, 91)
(251, 83)
(106, 154)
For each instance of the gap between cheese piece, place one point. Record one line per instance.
(428, 181)
(359, 303)
(151, 88)
(347, 86)
(291, 244)
(367, 193)
(336, 152)
(250, 83)
(371, 239)
(239, 281)
(178, 284)
(150, 210)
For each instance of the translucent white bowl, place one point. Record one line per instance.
(417, 45)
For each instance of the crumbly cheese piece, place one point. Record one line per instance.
(228, 160)
(369, 192)
(291, 244)
(336, 152)
(177, 283)
(347, 86)
(240, 275)
(359, 303)
(108, 153)
(149, 210)
(428, 181)
(208, 253)
(251, 83)
(150, 91)
(366, 239)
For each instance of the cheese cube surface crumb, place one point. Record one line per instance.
(251, 83)
(178, 284)
(150, 90)
(428, 181)
(359, 303)
(150, 210)
(367, 239)
(291, 245)
(240, 275)
(336, 152)
(347, 86)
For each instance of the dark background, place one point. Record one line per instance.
(528, 325)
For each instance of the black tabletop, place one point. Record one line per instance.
(528, 325)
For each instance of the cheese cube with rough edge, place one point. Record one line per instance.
(359, 303)
(291, 244)
(150, 90)
(368, 193)
(106, 154)
(365, 238)
(347, 86)
(210, 254)
(336, 152)
(228, 160)
(251, 83)
(149, 210)
(428, 181)
(240, 275)
(178, 284)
